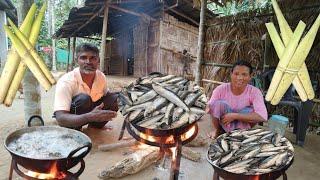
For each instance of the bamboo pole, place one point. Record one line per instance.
(212, 81)
(279, 47)
(284, 60)
(13, 58)
(200, 41)
(297, 61)
(35, 30)
(33, 52)
(28, 59)
(303, 83)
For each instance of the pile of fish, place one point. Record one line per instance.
(161, 101)
(250, 152)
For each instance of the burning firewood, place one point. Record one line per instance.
(136, 162)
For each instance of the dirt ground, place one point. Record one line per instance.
(306, 161)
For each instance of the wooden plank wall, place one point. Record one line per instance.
(175, 36)
(140, 38)
(119, 53)
(160, 46)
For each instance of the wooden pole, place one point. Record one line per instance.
(185, 16)
(68, 62)
(200, 42)
(131, 12)
(104, 36)
(73, 52)
(211, 81)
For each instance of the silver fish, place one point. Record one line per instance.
(197, 110)
(224, 145)
(139, 106)
(191, 98)
(135, 94)
(162, 79)
(174, 80)
(184, 119)
(177, 112)
(252, 138)
(266, 154)
(170, 96)
(251, 154)
(274, 149)
(168, 114)
(251, 132)
(155, 105)
(149, 121)
(269, 162)
(146, 97)
(227, 157)
(133, 115)
(244, 163)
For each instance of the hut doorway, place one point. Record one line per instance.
(121, 54)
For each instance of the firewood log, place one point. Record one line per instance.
(120, 144)
(132, 164)
(190, 154)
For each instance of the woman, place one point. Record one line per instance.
(236, 105)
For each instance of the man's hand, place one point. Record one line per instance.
(100, 115)
(228, 118)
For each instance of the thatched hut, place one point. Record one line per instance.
(148, 35)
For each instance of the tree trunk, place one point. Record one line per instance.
(200, 41)
(31, 88)
(53, 21)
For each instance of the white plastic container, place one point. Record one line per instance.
(278, 124)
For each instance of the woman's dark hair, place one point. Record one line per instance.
(242, 63)
(86, 47)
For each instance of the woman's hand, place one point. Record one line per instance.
(228, 118)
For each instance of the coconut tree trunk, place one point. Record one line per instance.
(53, 21)
(31, 88)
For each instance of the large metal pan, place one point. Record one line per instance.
(274, 174)
(43, 165)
